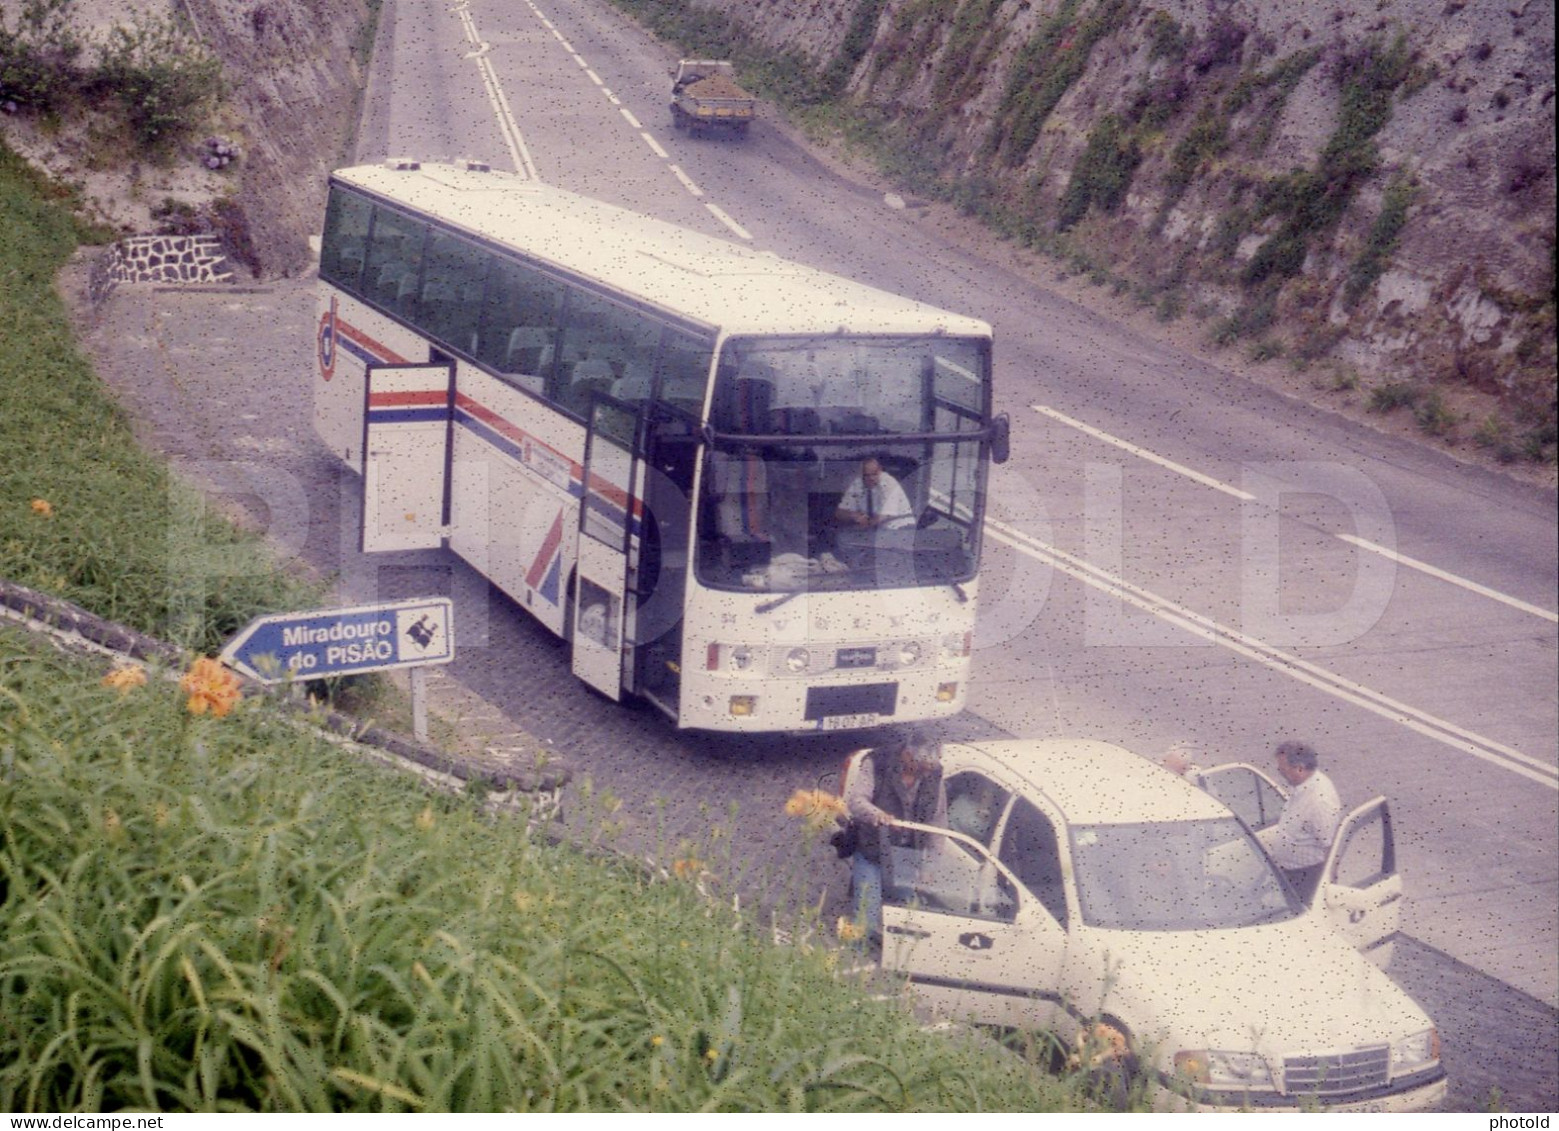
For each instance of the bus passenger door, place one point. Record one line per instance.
(606, 520)
(406, 423)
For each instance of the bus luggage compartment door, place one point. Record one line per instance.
(606, 519)
(406, 456)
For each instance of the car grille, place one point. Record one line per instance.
(1337, 1073)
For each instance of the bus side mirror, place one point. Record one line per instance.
(1001, 437)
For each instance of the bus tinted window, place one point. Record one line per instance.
(393, 270)
(519, 328)
(451, 297)
(684, 371)
(346, 239)
(603, 344)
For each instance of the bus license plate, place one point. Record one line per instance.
(849, 722)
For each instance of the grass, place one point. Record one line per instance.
(108, 528)
(206, 914)
(231, 914)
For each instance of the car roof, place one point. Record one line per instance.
(1090, 782)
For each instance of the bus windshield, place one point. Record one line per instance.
(843, 462)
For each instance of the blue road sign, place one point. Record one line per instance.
(325, 642)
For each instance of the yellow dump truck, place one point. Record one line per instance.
(705, 97)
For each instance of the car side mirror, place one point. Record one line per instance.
(1001, 437)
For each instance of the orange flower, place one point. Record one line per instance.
(818, 807)
(126, 678)
(849, 930)
(210, 687)
(687, 868)
(43, 508)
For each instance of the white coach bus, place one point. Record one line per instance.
(642, 435)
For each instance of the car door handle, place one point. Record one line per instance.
(908, 932)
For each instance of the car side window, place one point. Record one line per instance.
(1367, 855)
(974, 804)
(1249, 795)
(939, 874)
(1031, 849)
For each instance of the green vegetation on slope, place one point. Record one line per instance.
(84, 513)
(206, 913)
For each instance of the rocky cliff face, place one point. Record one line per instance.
(295, 82)
(1370, 182)
(292, 76)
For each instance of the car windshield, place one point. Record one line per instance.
(844, 463)
(1176, 876)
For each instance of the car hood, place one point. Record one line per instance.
(1280, 989)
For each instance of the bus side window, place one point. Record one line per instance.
(394, 257)
(452, 291)
(684, 371)
(518, 331)
(345, 243)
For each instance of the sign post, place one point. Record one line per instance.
(284, 647)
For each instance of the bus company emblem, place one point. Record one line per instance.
(327, 342)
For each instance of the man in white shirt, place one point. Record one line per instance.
(1302, 838)
(872, 503)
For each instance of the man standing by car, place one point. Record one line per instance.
(1302, 837)
(901, 780)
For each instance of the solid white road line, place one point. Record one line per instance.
(1432, 571)
(1313, 675)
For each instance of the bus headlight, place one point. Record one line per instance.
(798, 659)
(909, 654)
(741, 657)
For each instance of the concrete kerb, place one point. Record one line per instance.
(510, 781)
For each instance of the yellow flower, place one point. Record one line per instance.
(43, 508)
(687, 868)
(657, 1040)
(126, 678)
(712, 1055)
(817, 807)
(210, 687)
(849, 930)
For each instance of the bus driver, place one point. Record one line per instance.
(872, 502)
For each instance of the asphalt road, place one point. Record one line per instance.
(1415, 686)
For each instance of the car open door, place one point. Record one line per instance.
(1361, 890)
(1254, 797)
(973, 944)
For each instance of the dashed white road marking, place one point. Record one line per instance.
(1143, 453)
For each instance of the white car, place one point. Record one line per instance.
(1089, 892)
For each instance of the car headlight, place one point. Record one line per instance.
(1412, 1053)
(1219, 1068)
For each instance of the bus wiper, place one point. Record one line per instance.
(958, 591)
(770, 606)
